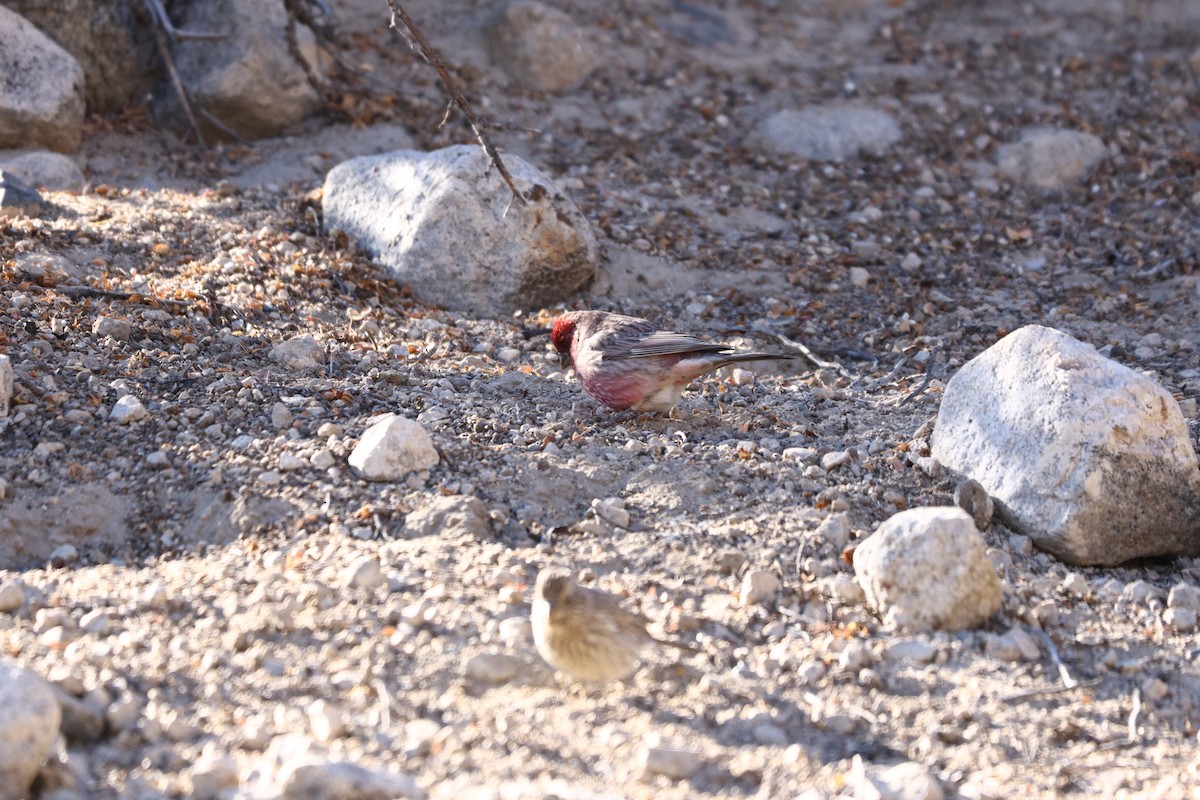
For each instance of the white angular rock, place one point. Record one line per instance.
(905, 781)
(1050, 159)
(1088, 458)
(1180, 619)
(445, 224)
(302, 353)
(311, 778)
(671, 762)
(392, 448)
(42, 95)
(917, 650)
(927, 569)
(365, 573)
(325, 720)
(449, 516)
(1015, 645)
(835, 529)
(29, 723)
(541, 47)
(759, 586)
(830, 133)
(127, 409)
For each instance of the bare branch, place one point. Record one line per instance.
(479, 125)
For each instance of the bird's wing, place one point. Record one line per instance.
(645, 341)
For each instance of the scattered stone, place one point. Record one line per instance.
(836, 459)
(325, 721)
(972, 498)
(835, 529)
(42, 169)
(119, 329)
(911, 262)
(1015, 645)
(1089, 458)
(63, 554)
(1050, 159)
(281, 417)
(1155, 690)
(541, 47)
(365, 573)
(17, 198)
(450, 516)
(12, 597)
(905, 781)
(859, 277)
(445, 224)
(392, 448)
(1182, 620)
(126, 410)
(841, 587)
(301, 354)
(42, 96)
(1184, 595)
(212, 777)
(675, 764)
(159, 459)
(759, 586)
(830, 133)
(611, 510)
(492, 668)
(311, 778)
(28, 725)
(917, 650)
(927, 569)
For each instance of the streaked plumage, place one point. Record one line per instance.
(587, 632)
(628, 363)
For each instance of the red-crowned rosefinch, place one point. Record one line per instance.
(587, 632)
(627, 362)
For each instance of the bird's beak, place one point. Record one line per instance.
(564, 361)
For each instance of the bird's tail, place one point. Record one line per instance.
(733, 358)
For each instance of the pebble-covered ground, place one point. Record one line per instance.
(232, 594)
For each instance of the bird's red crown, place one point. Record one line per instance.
(562, 333)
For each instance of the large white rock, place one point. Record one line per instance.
(1088, 458)
(41, 94)
(446, 224)
(392, 448)
(1050, 159)
(927, 569)
(830, 133)
(29, 719)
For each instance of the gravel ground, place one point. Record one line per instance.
(230, 589)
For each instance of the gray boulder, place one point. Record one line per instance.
(41, 96)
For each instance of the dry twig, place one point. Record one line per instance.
(811, 356)
(1068, 682)
(417, 41)
(933, 357)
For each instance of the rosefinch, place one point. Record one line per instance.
(587, 632)
(627, 363)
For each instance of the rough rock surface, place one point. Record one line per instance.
(927, 569)
(41, 97)
(541, 47)
(1050, 159)
(28, 725)
(248, 79)
(445, 224)
(1087, 457)
(43, 169)
(830, 133)
(113, 45)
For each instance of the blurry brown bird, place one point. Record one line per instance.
(586, 632)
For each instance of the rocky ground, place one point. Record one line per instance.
(222, 593)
